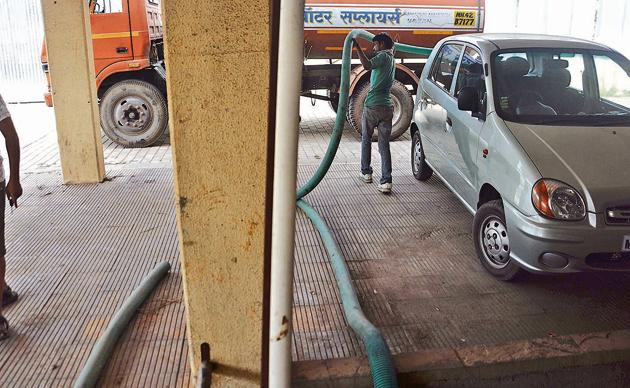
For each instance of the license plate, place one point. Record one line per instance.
(626, 244)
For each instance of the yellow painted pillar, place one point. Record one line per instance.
(71, 65)
(218, 69)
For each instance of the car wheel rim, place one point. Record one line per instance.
(495, 242)
(417, 156)
(133, 115)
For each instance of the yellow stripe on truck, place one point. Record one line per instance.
(333, 31)
(336, 49)
(113, 35)
(432, 32)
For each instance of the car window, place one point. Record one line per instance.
(576, 69)
(562, 86)
(471, 72)
(446, 62)
(614, 82)
(106, 6)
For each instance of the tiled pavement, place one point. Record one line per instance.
(410, 255)
(415, 270)
(76, 252)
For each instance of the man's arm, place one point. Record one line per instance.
(14, 189)
(367, 65)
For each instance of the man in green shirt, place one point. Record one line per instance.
(378, 109)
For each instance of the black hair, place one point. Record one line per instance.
(385, 39)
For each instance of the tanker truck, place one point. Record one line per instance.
(127, 38)
(415, 22)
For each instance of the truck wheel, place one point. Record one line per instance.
(134, 113)
(403, 109)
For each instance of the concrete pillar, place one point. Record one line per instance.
(71, 64)
(218, 68)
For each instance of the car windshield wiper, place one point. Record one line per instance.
(618, 121)
(586, 120)
(549, 120)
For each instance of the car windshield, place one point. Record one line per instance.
(562, 87)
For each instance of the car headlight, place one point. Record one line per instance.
(557, 200)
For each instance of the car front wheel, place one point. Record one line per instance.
(492, 241)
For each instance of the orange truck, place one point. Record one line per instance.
(128, 44)
(416, 22)
(129, 56)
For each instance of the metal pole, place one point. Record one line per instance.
(290, 58)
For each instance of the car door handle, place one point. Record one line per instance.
(122, 50)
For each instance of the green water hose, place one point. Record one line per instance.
(335, 137)
(104, 347)
(379, 356)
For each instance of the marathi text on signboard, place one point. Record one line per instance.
(412, 18)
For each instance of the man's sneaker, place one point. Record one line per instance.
(367, 178)
(8, 296)
(385, 188)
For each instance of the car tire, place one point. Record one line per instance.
(419, 167)
(492, 242)
(134, 113)
(403, 109)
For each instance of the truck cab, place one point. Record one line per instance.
(127, 40)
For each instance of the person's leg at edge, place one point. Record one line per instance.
(3, 284)
(3, 264)
(367, 130)
(4, 324)
(3, 251)
(384, 132)
(3, 268)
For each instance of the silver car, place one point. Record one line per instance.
(532, 134)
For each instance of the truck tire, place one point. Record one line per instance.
(133, 113)
(403, 109)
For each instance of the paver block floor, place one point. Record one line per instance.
(76, 252)
(414, 266)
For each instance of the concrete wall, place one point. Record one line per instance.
(218, 82)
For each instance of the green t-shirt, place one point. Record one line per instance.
(381, 79)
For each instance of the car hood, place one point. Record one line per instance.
(594, 160)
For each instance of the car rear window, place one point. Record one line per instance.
(443, 71)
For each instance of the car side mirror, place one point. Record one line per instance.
(468, 100)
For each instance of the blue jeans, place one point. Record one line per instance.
(373, 117)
